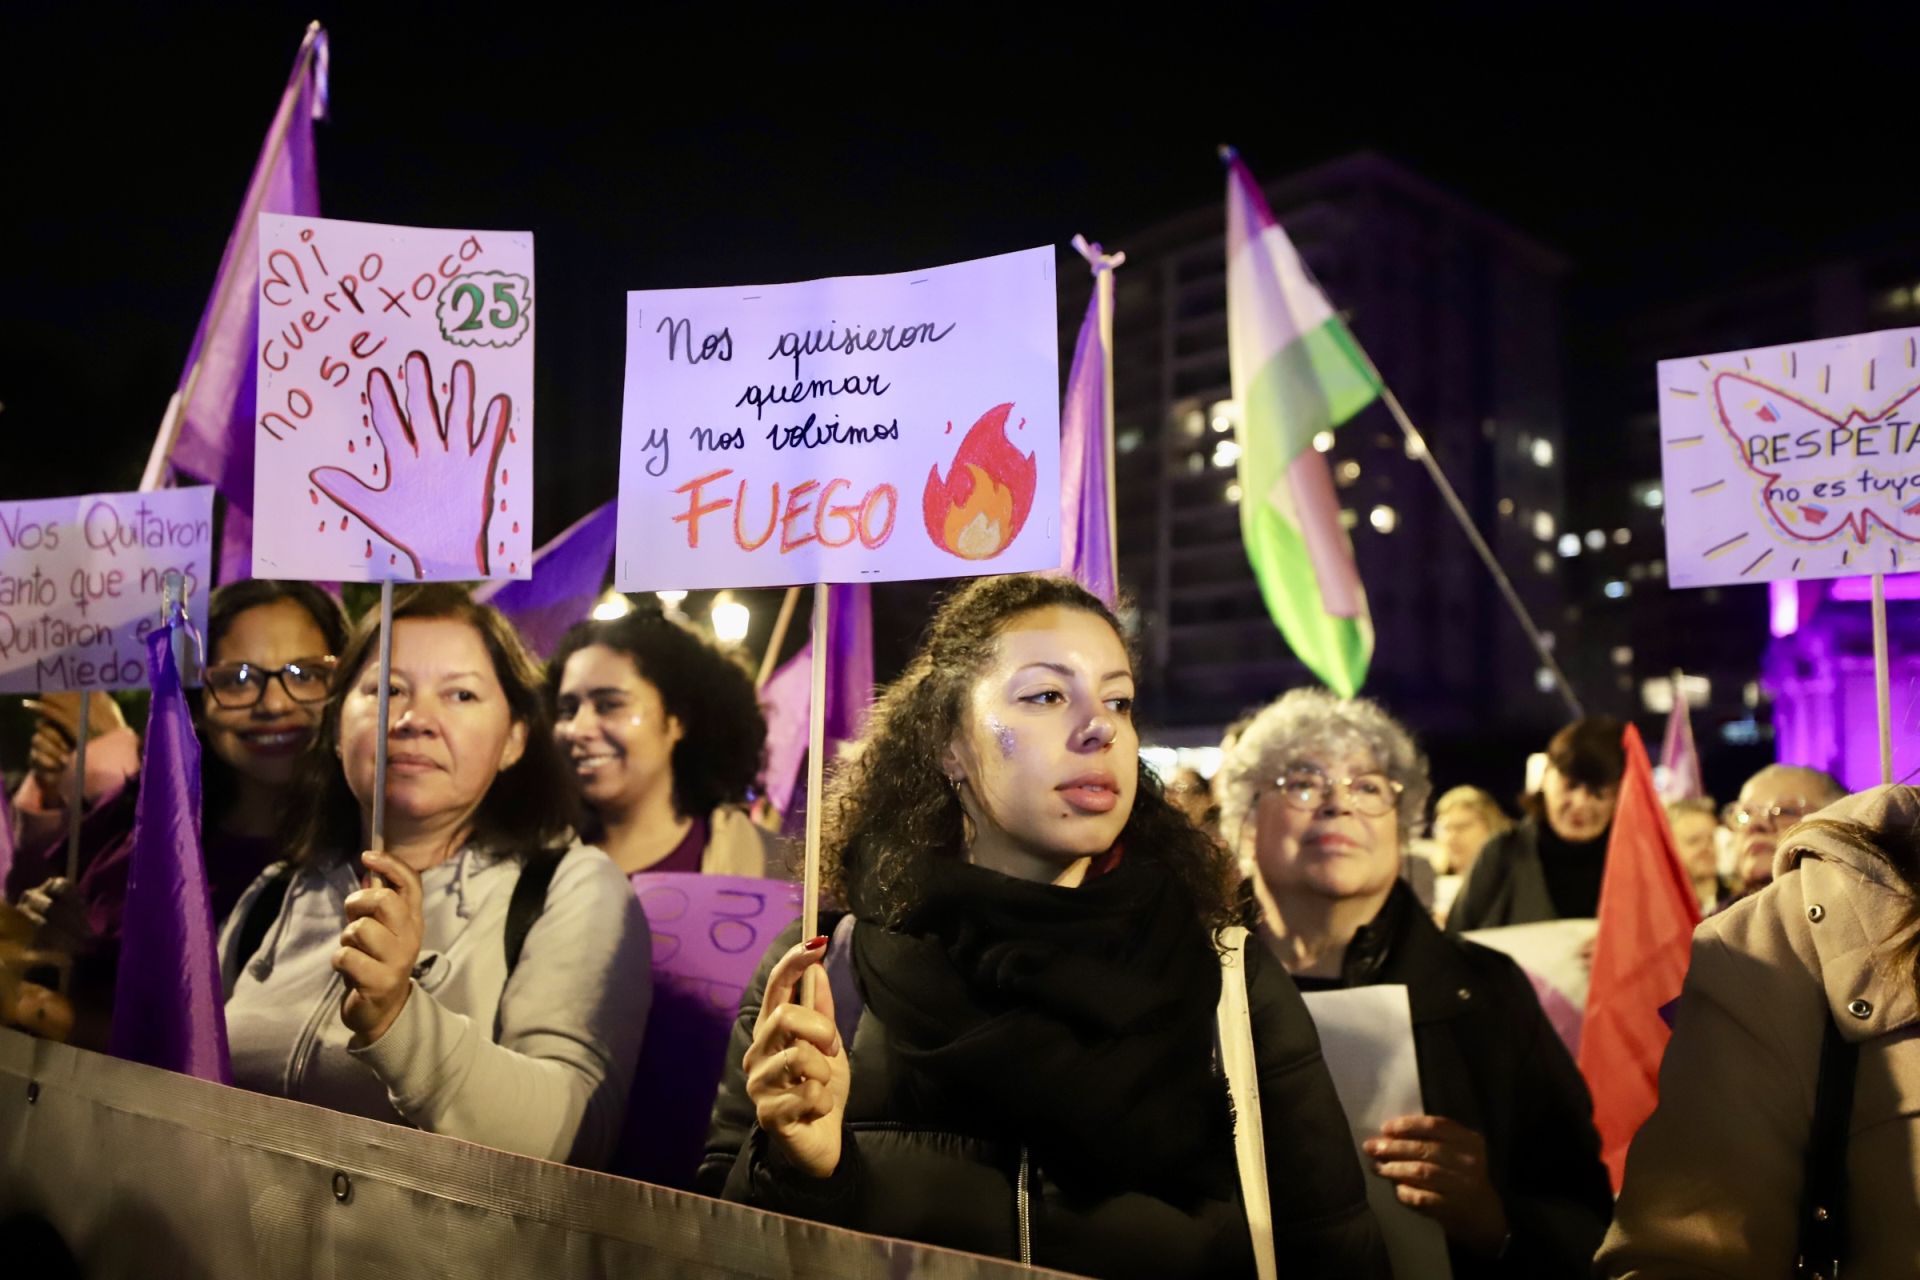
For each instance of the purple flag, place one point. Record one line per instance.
(709, 933)
(1678, 776)
(215, 398)
(788, 692)
(568, 574)
(1086, 545)
(167, 1010)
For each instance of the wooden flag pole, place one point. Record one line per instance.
(1882, 699)
(771, 657)
(378, 836)
(816, 779)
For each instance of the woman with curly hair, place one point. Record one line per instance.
(664, 736)
(1015, 1055)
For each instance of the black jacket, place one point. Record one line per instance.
(956, 1183)
(1507, 884)
(1490, 1060)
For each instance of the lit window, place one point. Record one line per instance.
(1595, 539)
(1323, 440)
(1348, 519)
(1193, 422)
(1649, 495)
(1416, 449)
(1636, 572)
(1225, 413)
(1543, 561)
(1615, 589)
(1226, 453)
(1196, 463)
(1569, 545)
(1506, 506)
(1233, 493)
(1621, 537)
(1383, 518)
(1222, 423)
(1543, 453)
(1751, 694)
(1543, 680)
(1347, 472)
(1543, 525)
(1129, 440)
(1623, 655)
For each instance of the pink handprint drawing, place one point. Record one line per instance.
(435, 500)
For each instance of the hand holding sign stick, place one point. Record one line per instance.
(435, 501)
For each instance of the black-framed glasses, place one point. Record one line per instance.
(239, 685)
(1370, 795)
(1765, 817)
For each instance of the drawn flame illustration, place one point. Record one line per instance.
(980, 508)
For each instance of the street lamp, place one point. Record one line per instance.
(731, 619)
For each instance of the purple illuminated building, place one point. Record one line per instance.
(1819, 670)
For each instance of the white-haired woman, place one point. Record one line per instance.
(1321, 794)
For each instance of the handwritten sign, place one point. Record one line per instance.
(394, 421)
(709, 933)
(846, 430)
(80, 584)
(1800, 461)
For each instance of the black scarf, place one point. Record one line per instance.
(1078, 1021)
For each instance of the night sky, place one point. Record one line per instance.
(715, 144)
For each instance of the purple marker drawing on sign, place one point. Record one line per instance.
(434, 500)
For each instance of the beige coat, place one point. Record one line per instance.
(737, 846)
(1714, 1177)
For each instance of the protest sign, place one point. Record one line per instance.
(1796, 461)
(80, 584)
(708, 935)
(844, 430)
(1366, 1036)
(394, 421)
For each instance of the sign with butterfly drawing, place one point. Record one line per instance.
(1797, 461)
(394, 417)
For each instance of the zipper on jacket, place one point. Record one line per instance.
(1023, 1209)
(309, 1036)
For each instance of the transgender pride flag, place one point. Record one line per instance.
(1296, 372)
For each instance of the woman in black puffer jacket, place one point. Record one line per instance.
(1028, 984)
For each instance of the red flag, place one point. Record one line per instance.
(1647, 915)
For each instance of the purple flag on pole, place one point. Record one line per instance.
(1086, 550)
(788, 692)
(1679, 772)
(568, 574)
(215, 398)
(167, 1009)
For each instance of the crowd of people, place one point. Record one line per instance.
(1015, 1032)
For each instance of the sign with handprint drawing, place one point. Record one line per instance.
(847, 430)
(1798, 461)
(394, 417)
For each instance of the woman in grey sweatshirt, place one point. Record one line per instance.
(381, 983)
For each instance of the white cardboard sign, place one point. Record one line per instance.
(80, 584)
(844, 430)
(1797, 461)
(394, 417)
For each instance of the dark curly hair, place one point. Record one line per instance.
(891, 799)
(723, 733)
(219, 782)
(529, 810)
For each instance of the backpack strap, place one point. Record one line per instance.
(528, 901)
(1823, 1191)
(261, 913)
(1234, 1021)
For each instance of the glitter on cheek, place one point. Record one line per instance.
(1003, 735)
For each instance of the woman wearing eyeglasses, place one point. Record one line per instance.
(1320, 796)
(269, 656)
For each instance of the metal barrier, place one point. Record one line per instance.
(149, 1174)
